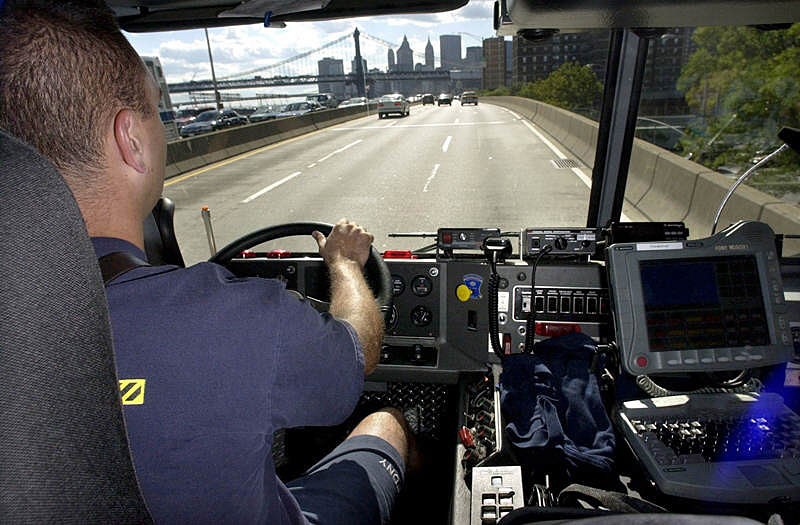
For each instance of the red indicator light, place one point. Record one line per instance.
(279, 254)
(398, 254)
(641, 361)
(447, 238)
(248, 254)
(507, 344)
(556, 329)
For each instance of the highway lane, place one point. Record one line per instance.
(466, 166)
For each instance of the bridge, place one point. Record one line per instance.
(327, 67)
(302, 80)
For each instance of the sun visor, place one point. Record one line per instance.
(161, 15)
(512, 16)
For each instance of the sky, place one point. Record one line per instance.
(184, 56)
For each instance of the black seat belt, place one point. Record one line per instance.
(116, 264)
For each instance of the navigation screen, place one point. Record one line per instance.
(711, 302)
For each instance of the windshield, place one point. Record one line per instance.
(706, 115)
(208, 115)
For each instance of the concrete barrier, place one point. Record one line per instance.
(188, 154)
(661, 186)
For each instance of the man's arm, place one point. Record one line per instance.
(346, 251)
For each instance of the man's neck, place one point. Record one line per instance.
(131, 234)
(113, 221)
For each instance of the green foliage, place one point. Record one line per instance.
(745, 83)
(571, 86)
(501, 91)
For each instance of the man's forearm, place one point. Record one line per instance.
(352, 300)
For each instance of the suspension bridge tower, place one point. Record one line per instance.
(361, 80)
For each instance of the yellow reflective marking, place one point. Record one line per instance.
(132, 391)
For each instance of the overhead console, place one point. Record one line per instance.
(706, 304)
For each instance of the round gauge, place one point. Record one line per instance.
(421, 316)
(398, 285)
(421, 286)
(391, 323)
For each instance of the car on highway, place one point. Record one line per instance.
(297, 109)
(564, 177)
(355, 101)
(185, 116)
(265, 113)
(469, 97)
(326, 100)
(394, 104)
(213, 120)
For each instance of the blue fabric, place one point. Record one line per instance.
(553, 409)
(227, 361)
(356, 484)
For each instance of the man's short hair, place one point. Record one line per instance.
(65, 71)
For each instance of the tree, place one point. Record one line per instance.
(571, 86)
(745, 83)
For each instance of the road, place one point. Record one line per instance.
(472, 166)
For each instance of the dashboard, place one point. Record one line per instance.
(439, 324)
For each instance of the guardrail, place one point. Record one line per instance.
(661, 186)
(187, 154)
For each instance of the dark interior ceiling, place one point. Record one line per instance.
(163, 15)
(516, 15)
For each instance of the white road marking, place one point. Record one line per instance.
(457, 120)
(577, 171)
(514, 114)
(446, 144)
(433, 174)
(271, 187)
(443, 124)
(311, 165)
(331, 154)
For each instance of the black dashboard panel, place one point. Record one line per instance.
(440, 321)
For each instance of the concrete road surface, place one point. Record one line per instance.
(473, 166)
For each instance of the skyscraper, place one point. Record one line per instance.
(494, 58)
(331, 66)
(450, 51)
(429, 59)
(391, 64)
(405, 57)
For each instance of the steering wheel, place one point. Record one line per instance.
(375, 270)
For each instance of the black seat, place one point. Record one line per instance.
(64, 453)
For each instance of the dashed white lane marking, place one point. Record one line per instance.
(446, 144)
(430, 179)
(425, 125)
(271, 187)
(577, 171)
(311, 165)
(457, 120)
(331, 154)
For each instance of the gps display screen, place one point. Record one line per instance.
(712, 302)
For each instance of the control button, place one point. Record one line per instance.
(522, 330)
(723, 359)
(560, 243)
(673, 362)
(641, 361)
(522, 276)
(706, 360)
(603, 305)
(690, 361)
(463, 293)
(566, 305)
(624, 248)
(421, 286)
(552, 304)
(577, 305)
(591, 305)
(785, 339)
(756, 357)
(433, 271)
(421, 316)
(781, 322)
(538, 304)
(502, 318)
(398, 285)
(447, 238)
(503, 283)
(740, 358)
(391, 323)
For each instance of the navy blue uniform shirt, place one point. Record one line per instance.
(210, 365)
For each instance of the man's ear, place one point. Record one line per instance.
(129, 139)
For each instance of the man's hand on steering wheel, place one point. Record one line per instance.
(347, 241)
